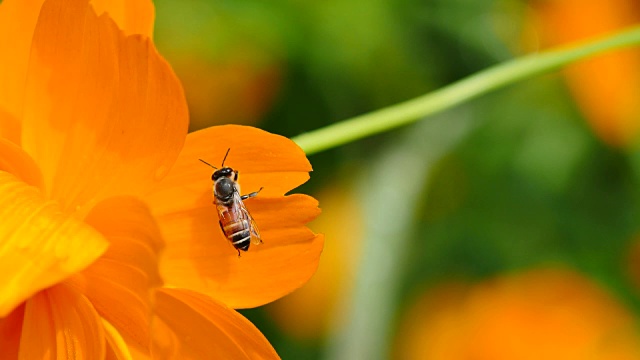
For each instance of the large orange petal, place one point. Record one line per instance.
(197, 255)
(39, 245)
(17, 22)
(206, 329)
(120, 283)
(132, 16)
(104, 115)
(60, 323)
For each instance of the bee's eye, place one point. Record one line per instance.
(224, 188)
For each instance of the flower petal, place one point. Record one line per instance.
(121, 282)
(9, 125)
(165, 343)
(17, 162)
(206, 329)
(104, 115)
(116, 348)
(132, 16)
(40, 246)
(10, 329)
(262, 159)
(199, 258)
(60, 323)
(17, 21)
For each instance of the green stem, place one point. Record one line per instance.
(475, 85)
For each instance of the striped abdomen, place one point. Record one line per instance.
(235, 225)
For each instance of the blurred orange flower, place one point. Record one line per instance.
(109, 245)
(606, 87)
(542, 314)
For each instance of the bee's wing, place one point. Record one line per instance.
(255, 234)
(253, 227)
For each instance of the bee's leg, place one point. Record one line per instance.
(235, 177)
(222, 228)
(238, 252)
(255, 193)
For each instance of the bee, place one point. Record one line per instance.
(236, 223)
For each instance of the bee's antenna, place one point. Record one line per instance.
(225, 156)
(208, 164)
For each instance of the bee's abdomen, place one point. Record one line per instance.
(239, 234)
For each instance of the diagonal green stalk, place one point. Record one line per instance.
(475, 85)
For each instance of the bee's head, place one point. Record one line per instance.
(224, 172)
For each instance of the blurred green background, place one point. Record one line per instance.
(526, 179)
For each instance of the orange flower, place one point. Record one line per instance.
(542, 314)
(606, 87)
(96, 179)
